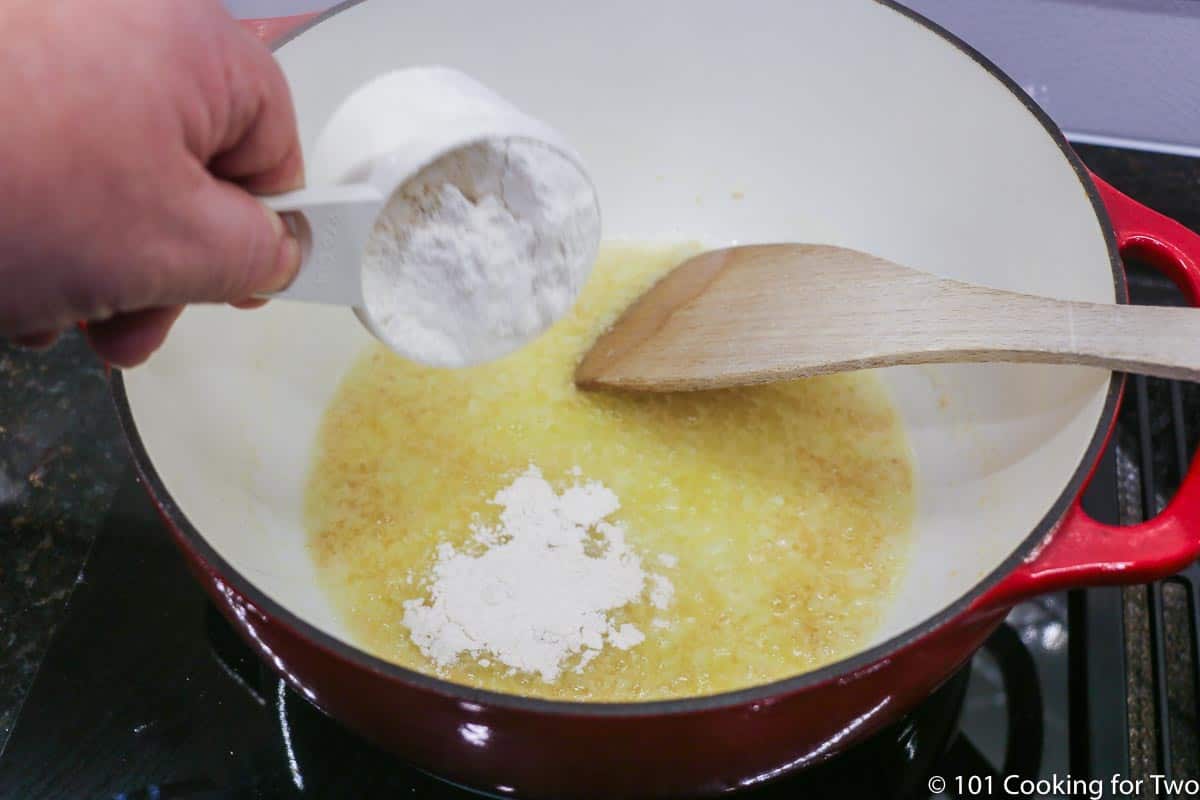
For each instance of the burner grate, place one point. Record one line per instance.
(1153, 652)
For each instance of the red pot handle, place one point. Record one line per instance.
(1084, 552)
(272, 28)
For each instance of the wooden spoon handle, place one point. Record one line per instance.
(765, 313)
(990, 325)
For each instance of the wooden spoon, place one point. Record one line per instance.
(765, 313)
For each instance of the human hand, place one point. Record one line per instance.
(134, 132)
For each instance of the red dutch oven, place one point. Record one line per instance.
(855, 123)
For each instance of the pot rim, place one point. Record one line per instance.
(187, 535)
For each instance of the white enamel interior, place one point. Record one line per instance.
(837, 122)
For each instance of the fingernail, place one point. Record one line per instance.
(297, 181)
(287, 264)
(287, 254)
(276, 222)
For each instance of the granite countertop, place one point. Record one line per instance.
(61, 459)
(62, 455)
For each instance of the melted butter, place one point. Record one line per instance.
(788, 506)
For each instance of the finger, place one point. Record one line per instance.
(37, 341)
(261, 148)
(128, 339)
(233, 247)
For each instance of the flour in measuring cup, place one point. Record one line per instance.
(480, 252)
(542, 586)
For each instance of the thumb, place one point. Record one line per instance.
(237, 247)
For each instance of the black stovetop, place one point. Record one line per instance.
(145, 692)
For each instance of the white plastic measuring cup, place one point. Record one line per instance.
(382, 135)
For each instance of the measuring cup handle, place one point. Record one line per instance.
(332, 224)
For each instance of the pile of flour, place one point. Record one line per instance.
(480, 252)
(541, 587)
